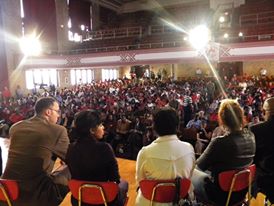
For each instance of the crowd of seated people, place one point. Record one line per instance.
(127, 99)
(126, 106)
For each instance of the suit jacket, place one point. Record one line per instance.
(264, 156)
(35, 145)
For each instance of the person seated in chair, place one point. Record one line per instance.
(122, 131)
(234, 150)
(35, 144)
(166, 157)
(264, 156)
(91, 160)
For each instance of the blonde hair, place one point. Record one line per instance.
(231, 115)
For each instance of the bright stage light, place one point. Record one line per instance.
(199, 37)
(30, 46)
(222, 19)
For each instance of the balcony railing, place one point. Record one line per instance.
(114, 33)
(129, 32)
(257, 18)
(124, 47)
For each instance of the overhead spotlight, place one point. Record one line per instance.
(240, 34)
(30, 45)
(199, 37)
(222, 19)
(82, 27)
(226, 35)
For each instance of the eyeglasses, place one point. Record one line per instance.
(56, 110)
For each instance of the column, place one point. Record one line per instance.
(11, 25)
(62, 18)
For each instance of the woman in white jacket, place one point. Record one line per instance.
(166, 157)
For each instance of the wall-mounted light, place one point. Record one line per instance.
(221, 19)
(226, 35)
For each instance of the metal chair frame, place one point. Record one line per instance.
(91, 186)
(149, 189)
(100, 192)
(9, 195)
(158, 186)
(234, 179)
(3, 190)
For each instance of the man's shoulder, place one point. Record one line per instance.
(22, 123)
(259, 126)
(42, 124)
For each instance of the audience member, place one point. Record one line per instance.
(35, 145)
(122, 131)
(264, 157)
(92, 160)
(234, 150)
(166, 157)
(188, 107)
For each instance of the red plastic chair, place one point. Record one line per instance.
(163, 191)
(9, 191)
(236, 180)
(93, 192)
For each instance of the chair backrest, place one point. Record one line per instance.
(163, 191)
(241, 178)
(236, 180)
(9, 190)
(93, 192)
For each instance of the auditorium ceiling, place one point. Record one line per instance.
(135, 5)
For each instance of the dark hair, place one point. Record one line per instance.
(43, 103)
(86, 120)
(166, 121)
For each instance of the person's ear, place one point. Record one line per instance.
(47, 112)
(91, 130)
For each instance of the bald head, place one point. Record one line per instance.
(269, 107)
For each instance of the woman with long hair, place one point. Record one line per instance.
(234, 150)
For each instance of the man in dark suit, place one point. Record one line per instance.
(264, 157)
(35, 145)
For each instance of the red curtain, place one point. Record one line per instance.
(79, 13)
(40, 16)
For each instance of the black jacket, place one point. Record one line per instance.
(264, 157)
(91, 160)
(233, 151)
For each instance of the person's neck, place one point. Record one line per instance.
(42, 116)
